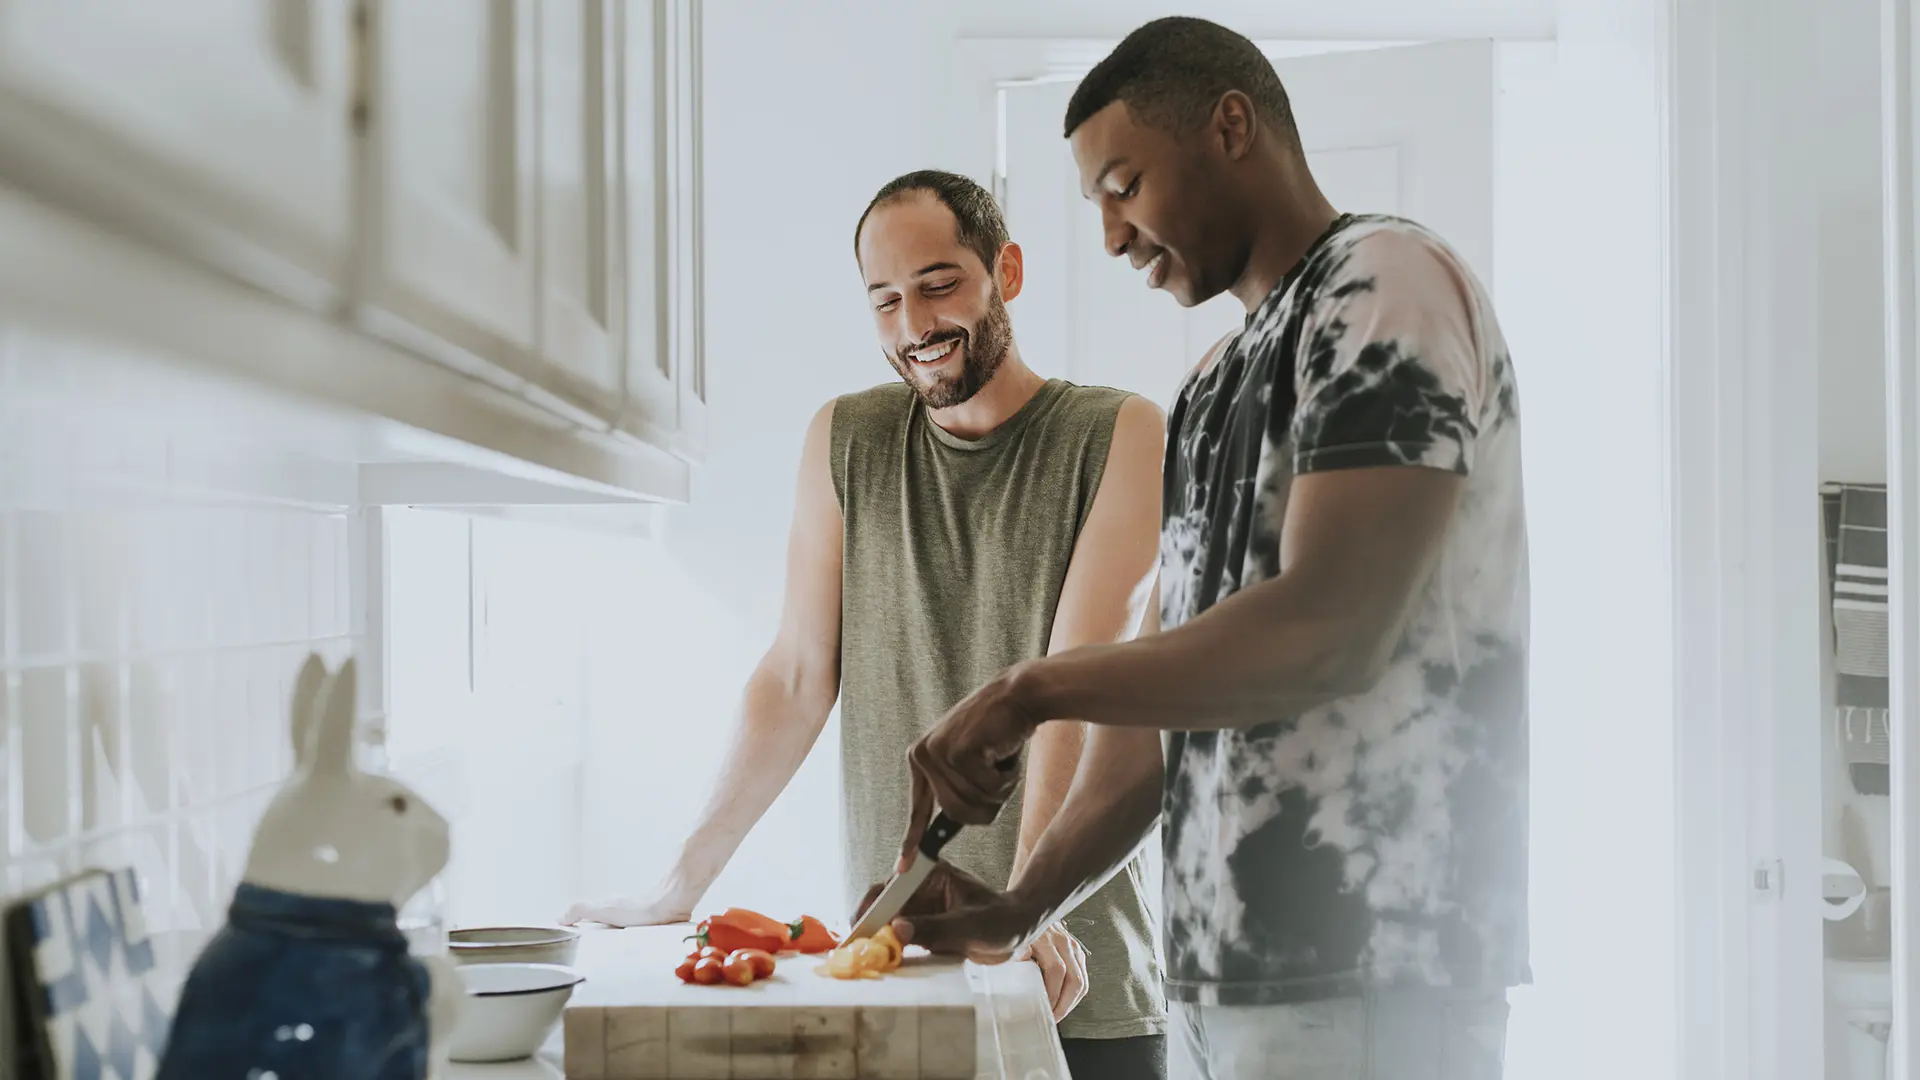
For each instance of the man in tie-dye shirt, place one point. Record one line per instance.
(1341, 667)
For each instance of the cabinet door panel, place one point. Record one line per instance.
(581, 300)
(455, 139)
(218, 126)
(652, 397)
(686, 292)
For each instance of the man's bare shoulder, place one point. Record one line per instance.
(1139, 424)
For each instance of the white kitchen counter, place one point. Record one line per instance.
(1017, 1040)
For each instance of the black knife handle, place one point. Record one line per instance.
(942, 828)
(939, 831)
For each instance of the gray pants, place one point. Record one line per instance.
(1394, 1035)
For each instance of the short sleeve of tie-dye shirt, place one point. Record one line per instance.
(1378, 840)
(1392, 371)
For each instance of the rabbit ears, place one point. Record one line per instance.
(323, 714)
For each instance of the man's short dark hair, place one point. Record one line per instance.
(1173, 71)
(977, 218)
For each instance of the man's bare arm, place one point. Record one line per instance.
(785, 705)
(1100, 601)
(1118, 787)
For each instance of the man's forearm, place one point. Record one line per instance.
(778, 727)
(1053, 761)
(1113, 804)
(1253, 658)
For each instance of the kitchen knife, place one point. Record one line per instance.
(906, 882)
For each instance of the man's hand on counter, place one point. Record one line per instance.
(632, 911)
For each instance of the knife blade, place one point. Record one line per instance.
(906, 882)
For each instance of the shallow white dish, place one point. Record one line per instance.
(514, 945)
(510, 1009)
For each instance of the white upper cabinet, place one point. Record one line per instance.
(214, 128)
(452, 145)
(499, 197)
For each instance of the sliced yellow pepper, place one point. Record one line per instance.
(863, 958)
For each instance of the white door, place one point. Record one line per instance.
(1405, 130)
(581, 297)
(456, 164)
(216, 126)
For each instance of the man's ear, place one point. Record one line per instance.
(1010, 271)
(1235, 124)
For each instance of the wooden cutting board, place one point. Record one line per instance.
(633, 1019)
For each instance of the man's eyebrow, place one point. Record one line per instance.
(922, 272)
(1112, 164)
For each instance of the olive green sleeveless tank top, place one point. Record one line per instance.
(955, 553)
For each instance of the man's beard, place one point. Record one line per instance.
(983, 348)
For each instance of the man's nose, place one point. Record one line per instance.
(917, 319)
(1118, 234)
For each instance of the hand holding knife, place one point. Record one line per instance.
(922, 855)
(908, 881)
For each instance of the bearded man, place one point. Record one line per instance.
(968, 517)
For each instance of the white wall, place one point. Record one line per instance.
(1275, 19)
(809, 109)
(164, 571)
(1578, 281)
(1852, 360)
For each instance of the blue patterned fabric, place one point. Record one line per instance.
(302, 988)
(97, 1013)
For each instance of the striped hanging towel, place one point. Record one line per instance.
(1856, 521)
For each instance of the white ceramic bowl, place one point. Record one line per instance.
(510, 1009)
(514, 945)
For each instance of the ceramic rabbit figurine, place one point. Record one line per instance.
(311, 979)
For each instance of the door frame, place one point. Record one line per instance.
(1746, 539)
(1901, 208)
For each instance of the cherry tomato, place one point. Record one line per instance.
(708, 971)
(760, 959)
(712, 952)
(739, 968)
(685, 970)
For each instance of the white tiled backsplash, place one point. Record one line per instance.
(160, 583)
(167, 560)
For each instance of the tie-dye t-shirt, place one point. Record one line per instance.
(1379, 840)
